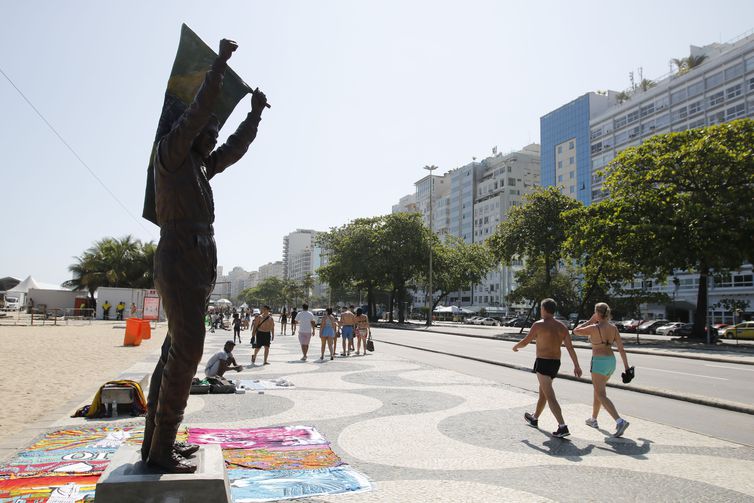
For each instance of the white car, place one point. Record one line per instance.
(663, 330)
(488, 321)
(473, 320)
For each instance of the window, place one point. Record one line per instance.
(751, 84)
(678, 96)
(679, 114)
(734, 71)
(595, 133)
(572, 189)
(560, 164)
(596, 149)
(570, 145)
(632, 116)
(621, 138)
(732, 92)
(716, 118)
(695, 107)
(743, 280)
(570, 160)
(571, 174)
(696, 88)
(620, 122)
(646, 110)
(511, 182)
(697, 123)
(560, 149)
(714, 80)
(560, 178)
(750, 63)
(735, 112)
(661, 103)
(662, 121)
(715, 99)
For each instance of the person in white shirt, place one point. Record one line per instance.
(222, 361)
(307, 324)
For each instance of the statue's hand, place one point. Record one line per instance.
(258, 100)
(227, 47)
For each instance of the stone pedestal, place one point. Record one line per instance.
(128, 479)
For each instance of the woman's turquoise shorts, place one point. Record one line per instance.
(604, 365)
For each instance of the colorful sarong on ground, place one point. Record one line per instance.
(275, 463)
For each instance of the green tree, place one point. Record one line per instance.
(268, 291)
(535, 232)
(684, 65)
(456, 266)
(123, 263)
(684, 201)
(355, 259)
(404, 242)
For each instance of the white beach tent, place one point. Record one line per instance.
(30, 283)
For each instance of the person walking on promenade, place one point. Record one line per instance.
(328, 329)
(308, 324)
(362, 331)
(294, 313)
(601, 334)
(347, 321)
(185, 264)
(263, 333)
(550, 334)
(283, 320)
(236, 327)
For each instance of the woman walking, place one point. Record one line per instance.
(328, 327)
(283, 320)
(601, 334)
(362, 330)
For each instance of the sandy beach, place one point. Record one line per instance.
(44, 367)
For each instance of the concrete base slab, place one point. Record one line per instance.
(128, 479)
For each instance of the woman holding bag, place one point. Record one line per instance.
(602, 335)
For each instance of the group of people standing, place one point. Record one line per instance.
(352, 327)
(550, 334)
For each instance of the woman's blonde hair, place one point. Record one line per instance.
(603, 310)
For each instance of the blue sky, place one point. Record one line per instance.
(363, 93)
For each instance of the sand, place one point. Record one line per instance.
(45, 367)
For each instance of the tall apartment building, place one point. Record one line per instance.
(302, 256)
(469, 202)
(272, 270)
(583, 136)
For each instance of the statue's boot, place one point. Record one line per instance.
(184, 449)
(162, 454)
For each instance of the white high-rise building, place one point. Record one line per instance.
(469, 202)
(272, 270)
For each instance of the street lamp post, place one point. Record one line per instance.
(429, 293)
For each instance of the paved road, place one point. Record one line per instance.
(725, 381)
(671, 373)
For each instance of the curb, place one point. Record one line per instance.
(699, 400)
(579, 345)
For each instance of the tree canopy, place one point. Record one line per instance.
(681, 201)
(123, 263)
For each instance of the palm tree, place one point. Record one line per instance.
(684, 65)
(124, 262)
(646, 84)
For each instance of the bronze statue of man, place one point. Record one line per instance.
(185, 265)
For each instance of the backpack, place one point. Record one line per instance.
(220, 385)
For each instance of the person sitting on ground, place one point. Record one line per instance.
(222, 361)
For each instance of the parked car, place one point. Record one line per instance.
(683, 330)
(719, 328)
(318, 315)
(12, 304)
(663, 330)
(473, 319)
(648, 327)
(743, 330)
(520, 322)
(488, 321)
(630, 326)
(563, 320)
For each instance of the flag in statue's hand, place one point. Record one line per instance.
(192, 61)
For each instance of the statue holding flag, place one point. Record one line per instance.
(184, 161)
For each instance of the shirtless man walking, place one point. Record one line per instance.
(347, 322)
(550, 335)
